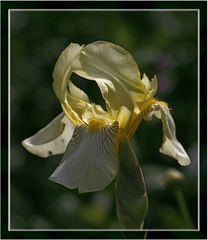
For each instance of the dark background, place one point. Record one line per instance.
(161, 42)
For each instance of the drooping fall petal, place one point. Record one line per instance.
(90, 162)
(52, 139)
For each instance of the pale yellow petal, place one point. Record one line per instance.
(52, 139)
(77, 106)
(76, 98)
(62, 70)
(70, 113)
(150, 86)
(123, 117)
(95, 111)
(154, 85)
(146, 82)
(115, 72)
(76, 92)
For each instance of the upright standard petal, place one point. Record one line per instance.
(51, 140)
(90, 162)
(62, 69)
(115, 72)
(171, 146)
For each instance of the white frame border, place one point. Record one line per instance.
(198, 119)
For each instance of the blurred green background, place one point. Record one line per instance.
(162, 43)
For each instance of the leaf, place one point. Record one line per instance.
(131, 196)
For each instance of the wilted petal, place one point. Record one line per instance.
(90, 162)
(171, 146)
(51, 140)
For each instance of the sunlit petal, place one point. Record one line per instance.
(114, 70)
(90, 162)
(51, 140)
(62, 69)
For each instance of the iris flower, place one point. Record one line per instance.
(87, 134)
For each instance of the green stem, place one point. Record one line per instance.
(145, 235)
(184, 209)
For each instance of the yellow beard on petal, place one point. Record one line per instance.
(95, 123)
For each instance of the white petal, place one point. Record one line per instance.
(174, 149)
(90, 162)
(51, 140)
(171, 146)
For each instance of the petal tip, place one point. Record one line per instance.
(184, 161)
(182, 157)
